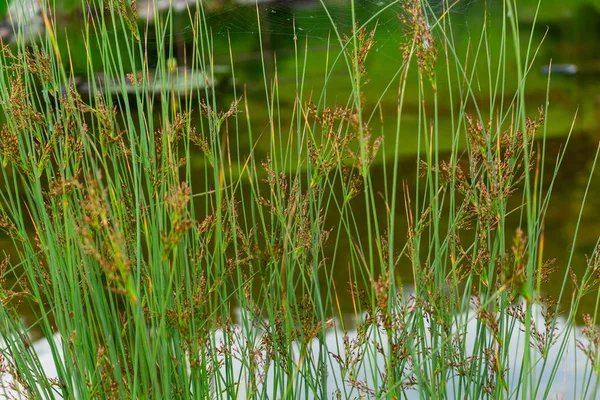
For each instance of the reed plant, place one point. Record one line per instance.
(152, 278)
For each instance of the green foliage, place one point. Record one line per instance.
(152, 279)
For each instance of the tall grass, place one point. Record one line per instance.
(151, 280)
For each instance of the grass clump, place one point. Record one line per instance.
(162, 257)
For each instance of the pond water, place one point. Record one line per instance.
(571, 36)
(573, 378)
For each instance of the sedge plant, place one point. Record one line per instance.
(167, 248)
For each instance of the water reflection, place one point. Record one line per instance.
(562, 373)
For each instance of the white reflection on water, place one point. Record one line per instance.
(574, 372)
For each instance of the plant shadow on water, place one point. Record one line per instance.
(299, 199)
